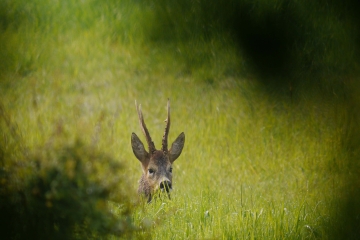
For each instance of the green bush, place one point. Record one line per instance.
(59, 191)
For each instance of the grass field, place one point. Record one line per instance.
(256, 164)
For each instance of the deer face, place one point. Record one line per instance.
(156, 164)
(159, 172)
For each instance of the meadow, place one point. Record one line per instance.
(257, 163)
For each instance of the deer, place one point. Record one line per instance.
(156, 164)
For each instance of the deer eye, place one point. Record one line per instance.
(170, 170)
(151, 171)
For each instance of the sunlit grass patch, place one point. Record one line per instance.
(256, 164)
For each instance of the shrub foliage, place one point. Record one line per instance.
(58, 191)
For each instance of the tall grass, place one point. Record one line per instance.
(256, 165)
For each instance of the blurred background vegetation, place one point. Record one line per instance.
(266, 91)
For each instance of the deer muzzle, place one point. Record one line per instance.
(165, 186)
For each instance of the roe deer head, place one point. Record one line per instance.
(156, 164)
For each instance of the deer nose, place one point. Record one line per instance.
(165, 185)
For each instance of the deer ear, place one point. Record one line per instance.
(138, 148)
(177, 147)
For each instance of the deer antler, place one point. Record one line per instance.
(144, 129)
(167, 128)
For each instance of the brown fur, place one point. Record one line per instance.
(156, 164)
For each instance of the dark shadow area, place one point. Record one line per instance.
(310, 48)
